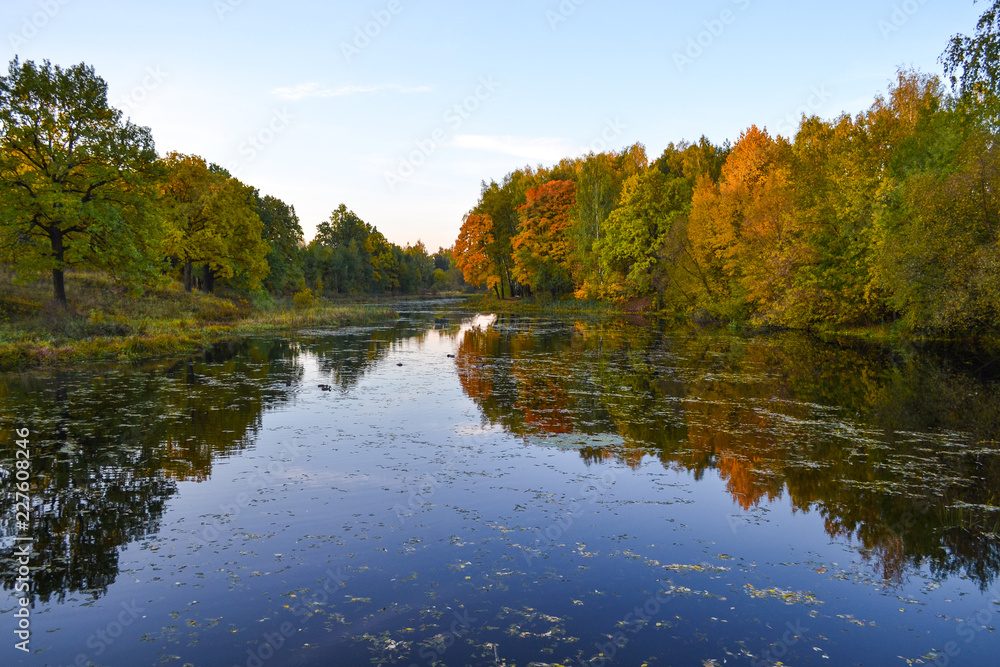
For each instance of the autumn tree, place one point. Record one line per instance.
(475, 237)
(542, 245)
(76, 180)
(500, 202)
(212, 223)
(748, 223)
(938, 235)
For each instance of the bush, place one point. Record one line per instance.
(217, 310)
(303, 299)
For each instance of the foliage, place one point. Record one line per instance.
(212, 223)
(304, 298)
(283, 234)
(76, 180)
(628, 252)
(471, 248)
(886, 219)
(973, 64)
(542, 245)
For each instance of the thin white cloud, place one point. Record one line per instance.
(533, 148)
(315, 89)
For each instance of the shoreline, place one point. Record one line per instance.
(185, 338)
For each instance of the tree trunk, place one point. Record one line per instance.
(188, 279)
(58, 277)
(59, 286)
(209, 278)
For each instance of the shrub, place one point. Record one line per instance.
(303, 299)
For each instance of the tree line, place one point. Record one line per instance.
(82, 186)
(890, 215)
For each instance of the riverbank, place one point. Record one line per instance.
(884, 333)
(535, 306)
(104, 323)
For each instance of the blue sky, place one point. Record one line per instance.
(400, 108)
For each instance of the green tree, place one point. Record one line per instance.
(384, 262)
(650, 204)
(76, 180)
(283, 233)
(212, 223)
(339, 254)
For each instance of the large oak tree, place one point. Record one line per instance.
(75, 178)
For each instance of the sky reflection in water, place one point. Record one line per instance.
(558, 492)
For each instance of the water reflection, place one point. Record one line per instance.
(895, 449)
(109, 448)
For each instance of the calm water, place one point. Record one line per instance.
(556, 492)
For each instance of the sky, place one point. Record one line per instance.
(401, 108)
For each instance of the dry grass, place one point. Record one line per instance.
(103, 321)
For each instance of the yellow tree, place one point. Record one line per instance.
(749, 223)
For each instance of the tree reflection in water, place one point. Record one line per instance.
(108, 450)
(895, 448)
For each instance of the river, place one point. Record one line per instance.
(455, 488)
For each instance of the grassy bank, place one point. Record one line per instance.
(103, 322)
